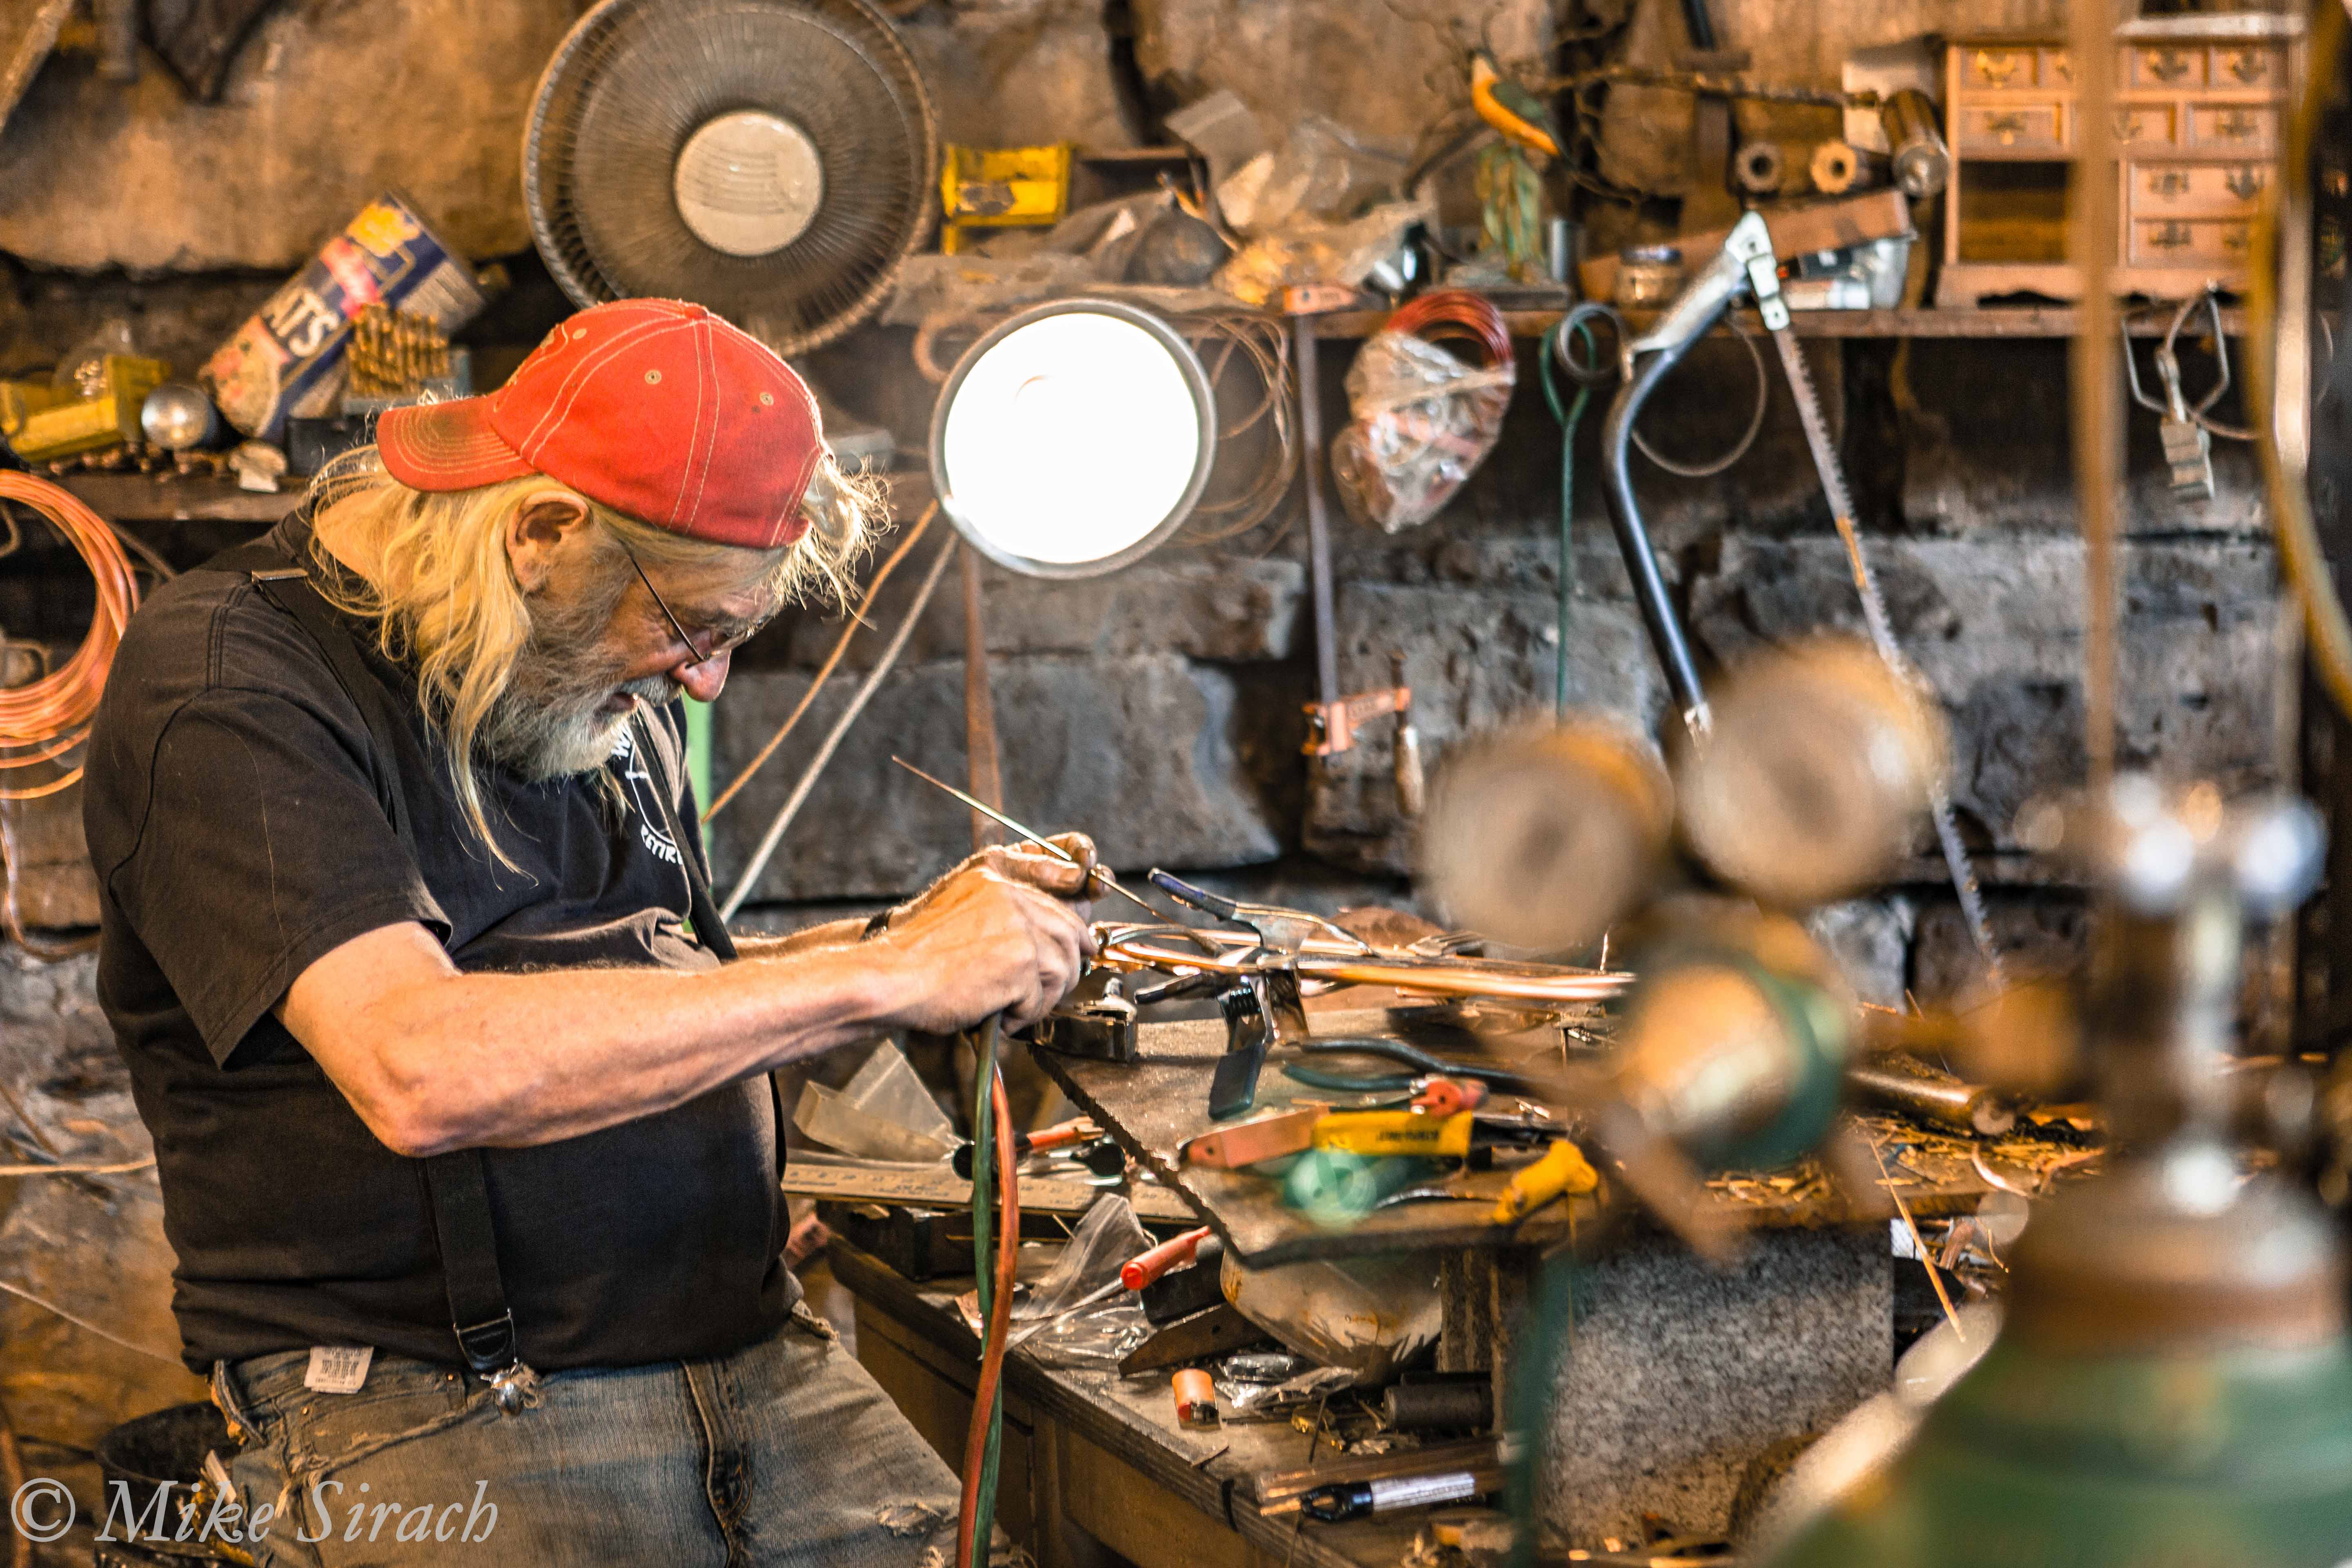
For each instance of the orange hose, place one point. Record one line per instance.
(1000, 1318)
(42, 721)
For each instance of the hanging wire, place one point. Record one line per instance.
(1265, 343)
(1708, 470)
(1556, 361)
(864, 694)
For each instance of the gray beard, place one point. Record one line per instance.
(545, 724)
(540, 741)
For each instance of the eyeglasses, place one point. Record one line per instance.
(724, 644)
(669, 615)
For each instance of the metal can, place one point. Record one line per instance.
(1648, 276)
(287, 359)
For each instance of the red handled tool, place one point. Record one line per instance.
(1059, 1136)
(1145, 1267)
(1448, 1096)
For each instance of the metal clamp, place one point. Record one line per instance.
(2187, 428)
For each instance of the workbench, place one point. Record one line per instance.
(1153, 1104)
(1092, 1460)
(1683, 1374)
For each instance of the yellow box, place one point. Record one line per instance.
(20, 400)
(88, 423)
(1001, 187)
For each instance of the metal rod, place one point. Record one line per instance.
(1319, 533)
(2096, 200)
(1039, 840)
(979, 708)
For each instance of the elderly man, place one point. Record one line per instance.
(467, 1147)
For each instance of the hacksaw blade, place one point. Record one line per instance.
(1882, 630)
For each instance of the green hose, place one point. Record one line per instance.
(983, 1200)
(1570, 416)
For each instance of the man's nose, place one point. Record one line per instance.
(703, 681)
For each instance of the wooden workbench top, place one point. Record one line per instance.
(1134, 1419)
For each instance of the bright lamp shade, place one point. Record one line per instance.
(1073, 438)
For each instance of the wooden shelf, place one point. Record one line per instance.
(1993, 322)
(140, 499)
(145, 498)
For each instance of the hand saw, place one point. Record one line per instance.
(1764, 280)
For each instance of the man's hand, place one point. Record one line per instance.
(1024, 863)
(1005, 932)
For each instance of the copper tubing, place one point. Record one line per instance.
(42, 721)
(1320, 958)
(1000, 1318)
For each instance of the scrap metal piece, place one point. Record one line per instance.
(1247, 1143)
(1210, 1332)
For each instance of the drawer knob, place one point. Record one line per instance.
(2236, 125)
(2168, 183)
(2006, 127)
(2249, 66)
(2245, 182)
(1995, 69)
(2170, 235)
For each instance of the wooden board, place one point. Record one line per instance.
(1156, 1104)
(943, 1189)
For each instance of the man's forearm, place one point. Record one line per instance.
(831, 934)
(448, 1060)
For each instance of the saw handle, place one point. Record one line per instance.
(1145, 1267)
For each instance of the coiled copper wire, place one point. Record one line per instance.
(1455, 313)
(43, 722)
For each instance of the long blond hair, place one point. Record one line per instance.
(445, 602)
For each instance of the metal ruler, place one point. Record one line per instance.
(943, 1189)
(1775, 311)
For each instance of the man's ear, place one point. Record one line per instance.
(540, 531)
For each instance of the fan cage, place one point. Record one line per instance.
(589, 50)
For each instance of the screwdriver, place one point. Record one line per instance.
(1146, 1266)
(1094, 873)
(1059, 1136)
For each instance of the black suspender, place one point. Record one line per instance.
(457, 1183)
(708, 927)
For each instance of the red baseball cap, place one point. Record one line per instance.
(654, 407)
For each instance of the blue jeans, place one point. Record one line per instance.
(785, 1452)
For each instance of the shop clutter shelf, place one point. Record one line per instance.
(1976, 322)
(147, 499)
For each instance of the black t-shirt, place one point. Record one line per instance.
(238, 835)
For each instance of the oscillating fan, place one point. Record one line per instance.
(773, 159)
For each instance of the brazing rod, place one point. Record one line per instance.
(1101, 873)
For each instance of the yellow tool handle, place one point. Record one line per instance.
(1395, 1132)
(1563, 1169)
